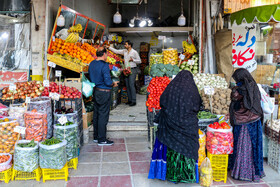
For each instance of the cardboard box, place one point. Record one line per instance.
(87, 119)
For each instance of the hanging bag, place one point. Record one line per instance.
(266, 102)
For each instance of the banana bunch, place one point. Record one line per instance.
(72, 38)
(76, 28)
(190, 48)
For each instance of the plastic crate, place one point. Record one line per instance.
(6, 175)
(271, 134)
(73, 163)
(55, 174)
(34, 175)
(219, 165)
(274, 155)
(76, 103)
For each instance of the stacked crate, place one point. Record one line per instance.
(144, 55)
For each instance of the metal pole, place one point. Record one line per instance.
(200, 35)
(209, 38)
(46, 40)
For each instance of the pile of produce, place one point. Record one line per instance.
(36, 125)
(220, 101)
(115, 56)
(275, 125)
(31, 89)
(219, 138)
(64, 91)
(155, 58)
(170, 56)
(17, 111)
(70, 114)
(89, 48)
(52, 154)
(160, 70)
(202, 80)
(5, 161)
(68, 132)
(89, 106)
(26, 157)
(155, 89)
(205, 115)
(190, 65)
(7, 135)
(75, 28)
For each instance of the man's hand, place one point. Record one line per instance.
(130, 60)
(115, 84)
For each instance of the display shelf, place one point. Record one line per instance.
(67, 64)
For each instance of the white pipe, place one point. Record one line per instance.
(200, 35)
(46, 39)
(209, 37)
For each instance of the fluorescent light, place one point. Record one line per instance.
(138, 31)
(176, 31)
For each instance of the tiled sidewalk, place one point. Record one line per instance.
(126, 164)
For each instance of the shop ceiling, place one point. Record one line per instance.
(163, 13)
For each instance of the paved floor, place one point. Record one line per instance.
(126, 164)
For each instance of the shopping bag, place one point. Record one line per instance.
(266, 102)
(206, 173)
(87, 86)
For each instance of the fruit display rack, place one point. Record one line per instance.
(67, 64)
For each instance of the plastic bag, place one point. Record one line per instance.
(70, 134)
(53, 156)
(4, 112)
(206, 173)
(43, 104)
(87, 86)
(36, 126)
(202, 146)
(6, 165)
(17, 112)
(266, 102)
(26, 158)
(219, 141)
(116, 72)
(7, 134)
(71, 117)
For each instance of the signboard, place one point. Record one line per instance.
(243, 46)
(8, 77)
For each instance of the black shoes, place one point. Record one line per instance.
(132, 104)
(106, 142)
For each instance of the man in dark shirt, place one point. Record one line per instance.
(99, 74)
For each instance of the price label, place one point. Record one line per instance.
(53, 39)
(12, 87)
(182, 57)
(57, 73)
(54, 96)
(62, 120)
(27, 100)
(51, 64)
(162, 37)
(19, 129)
(46, 83)
(209, 90)
(191, 62)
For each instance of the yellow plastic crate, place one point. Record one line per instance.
(73, 163)
(219, 165)
(21, 175)
(6, 175)
(55, 174)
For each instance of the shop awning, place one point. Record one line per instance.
(261, 14)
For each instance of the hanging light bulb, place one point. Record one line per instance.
(150, 23)
(131, 24)
(60, 21)
(142, 23)
(182, 18)
(117, 16)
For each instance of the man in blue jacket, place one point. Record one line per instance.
(99, 73)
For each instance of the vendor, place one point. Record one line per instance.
(131, 59)
(176, 147)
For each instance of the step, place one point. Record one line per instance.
(127, 126)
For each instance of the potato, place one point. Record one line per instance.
(223, 101)
(224, 112)
(223, 96)
(228, 103)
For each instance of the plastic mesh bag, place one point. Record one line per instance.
(87, 86)
(71, 117)
(202, 146)
(70, 134)
(53, 156)
(26, 158)
(17, 112)
(206, 173)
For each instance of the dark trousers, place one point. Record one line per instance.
(102, 102)
(130, 85)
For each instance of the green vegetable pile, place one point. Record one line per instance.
(66, 124)
(52, 154)
(190, 67)
(30, 144)
(51, 141)
(160, 70)
(70, 134)
(205, 115)
(26, 156)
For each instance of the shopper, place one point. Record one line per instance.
(246, 116)
(99, 73)
(131, 59)
(176, 147)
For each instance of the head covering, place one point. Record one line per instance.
(178, 123)
(248, 88)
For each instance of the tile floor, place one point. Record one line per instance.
(126, 164)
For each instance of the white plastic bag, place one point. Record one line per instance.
(266, 101)
(6, 165)
(206, 173)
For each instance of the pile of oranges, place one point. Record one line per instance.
(89, 48)
(71, 49)
(8, 137)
